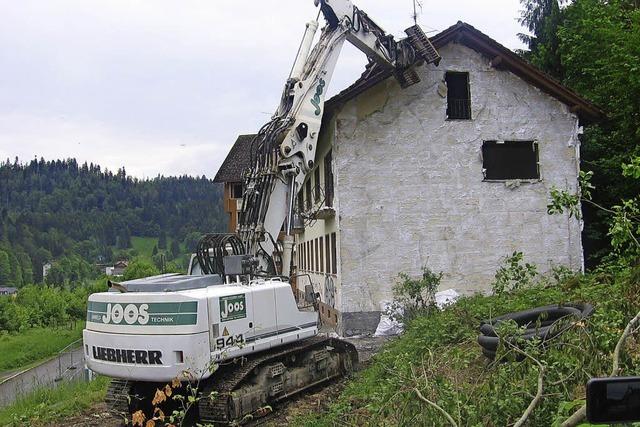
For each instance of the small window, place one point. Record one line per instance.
(328, 182)
(321, 250)
(316, 263)
(334, 264)
(458, 96)
(328, 253)
(510, 160)
(300, 202)
(316, 184)
(307, 195)
(236, 190)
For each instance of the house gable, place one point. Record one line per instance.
(499, 57)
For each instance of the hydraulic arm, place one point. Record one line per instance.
(283, 151)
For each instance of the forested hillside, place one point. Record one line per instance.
(79, 215)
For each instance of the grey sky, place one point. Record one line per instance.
(164, 86)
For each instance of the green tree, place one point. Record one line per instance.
(600, 51)
(139, 268)
(542, 18)
(16, 270)
(162, 240)
(154, 252)
(5, 269)
(175, 249)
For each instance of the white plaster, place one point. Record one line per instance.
(410, 191)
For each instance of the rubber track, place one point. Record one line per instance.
(226, 379)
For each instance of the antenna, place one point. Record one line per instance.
(417, 4)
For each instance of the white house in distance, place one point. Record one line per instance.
(452, 173)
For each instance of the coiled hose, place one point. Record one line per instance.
(541, 322)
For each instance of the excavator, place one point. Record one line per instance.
(231, 326)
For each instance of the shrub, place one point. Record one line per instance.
(514, 274)
(416, 295)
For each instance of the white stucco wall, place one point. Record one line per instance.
(410, 190)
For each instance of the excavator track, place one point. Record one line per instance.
(242, 390)
(117, 397)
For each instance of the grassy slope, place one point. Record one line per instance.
(439, 356)
(51, 405)
(144, 245)
(22, 350)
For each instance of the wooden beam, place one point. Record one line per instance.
(575, 109)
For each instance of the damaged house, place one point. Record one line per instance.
(452, 173)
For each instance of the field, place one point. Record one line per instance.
(33, 345)
(144, 245)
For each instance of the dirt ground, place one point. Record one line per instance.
(315, 400)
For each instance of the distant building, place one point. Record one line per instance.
(8, 291)
(117, 269)
(45, 269)
(230, 174)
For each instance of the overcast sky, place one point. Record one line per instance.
(165, 86)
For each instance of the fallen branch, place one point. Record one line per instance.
(578, 416)
(536, 399)
(435, 405)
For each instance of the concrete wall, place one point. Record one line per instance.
(410, 189)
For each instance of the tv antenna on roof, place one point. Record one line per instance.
(416, 4)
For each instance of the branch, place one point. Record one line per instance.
(435, 405)
(536, 399)
(578, 416)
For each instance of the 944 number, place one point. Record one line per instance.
(230, 341)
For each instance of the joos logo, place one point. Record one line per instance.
(232, 307)
(130, 313)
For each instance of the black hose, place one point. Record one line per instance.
(543, 323)
(212, 248)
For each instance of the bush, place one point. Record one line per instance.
(514, 274)
(415, 296)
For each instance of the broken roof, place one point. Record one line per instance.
(500, 57)
(237, 160)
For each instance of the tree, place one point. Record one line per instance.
(600, 51)
(154, 252)
(5, 269)
(542, 18)
(139, 268)
(162, 240)
(175, 249)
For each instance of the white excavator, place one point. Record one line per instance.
(232, 324)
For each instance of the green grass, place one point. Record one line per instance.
(50, 405)
(23, 349)
(439, 356)
(144, 245)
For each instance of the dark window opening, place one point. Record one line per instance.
(307, 195)
(316, 182)
(328, 181)
(510, 160)
(458, 96)
(236, 190)
(321, 250)
(300, 202)
(327, 251)
(334, 264)
(315, 261)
